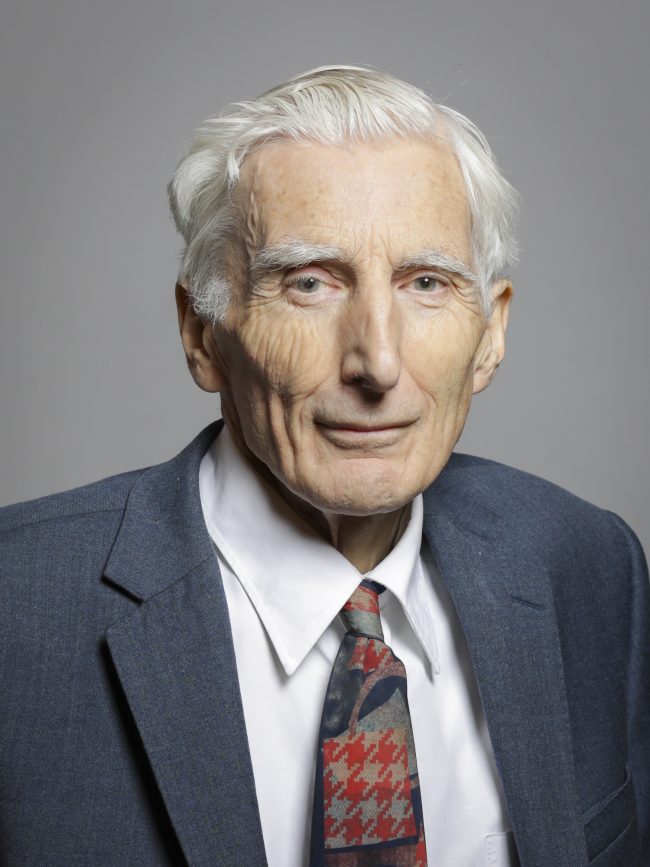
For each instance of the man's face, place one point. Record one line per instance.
(350, 376)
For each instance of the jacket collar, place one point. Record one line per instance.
(163, 534)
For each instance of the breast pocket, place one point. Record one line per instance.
(611, 829)
(500, 850)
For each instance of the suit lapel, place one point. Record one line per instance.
(506, 607)
(176, 663)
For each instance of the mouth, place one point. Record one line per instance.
(351, 434)
(364, 427)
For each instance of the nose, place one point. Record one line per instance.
(372, 338)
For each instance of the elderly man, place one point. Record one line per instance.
(317, 635)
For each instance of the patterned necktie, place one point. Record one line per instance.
(367, 807)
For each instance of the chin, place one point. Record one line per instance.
(359, 497)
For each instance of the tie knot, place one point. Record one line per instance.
(360, 614)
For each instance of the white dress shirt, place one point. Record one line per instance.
(285, 586)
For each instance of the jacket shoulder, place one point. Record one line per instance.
(53, 551)
(96, 498)
(536, 511)
(503, 484)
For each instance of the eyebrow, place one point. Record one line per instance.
(296, 254)
(436, 259)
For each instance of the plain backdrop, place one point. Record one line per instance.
(97, 100)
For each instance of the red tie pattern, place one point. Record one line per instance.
(367, 807)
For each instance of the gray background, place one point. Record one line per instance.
(97, 100)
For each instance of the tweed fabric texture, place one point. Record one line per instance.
(367, 806)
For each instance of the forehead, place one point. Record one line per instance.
(395, 193)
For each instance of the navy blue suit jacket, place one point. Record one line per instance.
(122, 737)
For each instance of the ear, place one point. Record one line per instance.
(199, 344)
(493, 343)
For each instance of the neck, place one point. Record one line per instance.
(364, 540)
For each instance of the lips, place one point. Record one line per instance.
(364, 427)
(364, 437)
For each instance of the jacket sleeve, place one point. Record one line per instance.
(638, 682)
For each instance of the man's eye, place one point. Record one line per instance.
(428, 283)
(305, 283)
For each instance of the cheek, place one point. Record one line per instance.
(282, 353)
(441, 357)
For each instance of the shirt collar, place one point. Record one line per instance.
(297, 581)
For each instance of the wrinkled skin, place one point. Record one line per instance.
(348, 382)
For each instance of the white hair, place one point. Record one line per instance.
(331, 105)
